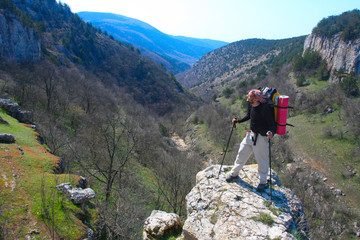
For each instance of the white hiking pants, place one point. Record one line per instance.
(261, 153)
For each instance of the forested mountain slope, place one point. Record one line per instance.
(97, 104)
(237, 61)
(175, 53)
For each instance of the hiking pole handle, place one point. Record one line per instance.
(234, 121)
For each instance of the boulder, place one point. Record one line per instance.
(9, 105)
(161, 225)
(218, 210)
(76, 195)
(7, 138)
(13, 109)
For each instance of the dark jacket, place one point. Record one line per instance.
(261, 118)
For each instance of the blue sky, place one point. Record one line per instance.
(226, 20)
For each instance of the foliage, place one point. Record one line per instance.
(22, 16)
(163, 130)
(301, 80)
(310, 60)
(350, 85)
(227, 92)
(347, 24)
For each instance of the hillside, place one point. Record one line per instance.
(240, 61)
(86, 46)
(30, 204)
(97, 104)
(176, 53)
(318, 158)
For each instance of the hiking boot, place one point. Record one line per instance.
(230, 177)
(261, 187)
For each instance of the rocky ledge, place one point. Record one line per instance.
(220, 210)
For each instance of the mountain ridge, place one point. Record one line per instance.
(181, 50)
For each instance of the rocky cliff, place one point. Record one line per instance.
(18, 43)
(337, 53)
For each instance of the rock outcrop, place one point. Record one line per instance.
(13, 109)
(7, 138)
(18, 43)
(220, 210)
(337, 53)
(161, 225)
(76, 195)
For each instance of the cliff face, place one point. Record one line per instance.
(337, 53)
(18, 43)
(221, 210)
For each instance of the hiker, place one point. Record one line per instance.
(263, 128)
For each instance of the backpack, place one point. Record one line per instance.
(279, 105)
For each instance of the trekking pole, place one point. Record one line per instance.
(270, 171)
(227, 145)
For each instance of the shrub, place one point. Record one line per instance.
(301, 80)
(163, 130)
(227, 92)
(264, 218)
(350, 86)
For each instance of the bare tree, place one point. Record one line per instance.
(175, 179)
(47, 75)
(110, 147)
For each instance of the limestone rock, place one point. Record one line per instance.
(337, 53)
(220, 210)
(77, 195)
(18, 43)
(13, 108)
(161, 224)
(7, 138)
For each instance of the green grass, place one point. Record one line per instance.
(323, 141)
(24, 136)
(315, 85)
(264, 218)
(28, 195)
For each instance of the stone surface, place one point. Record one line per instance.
(337, 53)
(7, 138)
(77, 195)
(220, 210)
(161, 224)
(13, 108)
(18, 43)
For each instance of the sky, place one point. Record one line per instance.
(225, 20)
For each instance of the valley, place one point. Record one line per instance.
(139, 130)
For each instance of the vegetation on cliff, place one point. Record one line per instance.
(346, 24)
